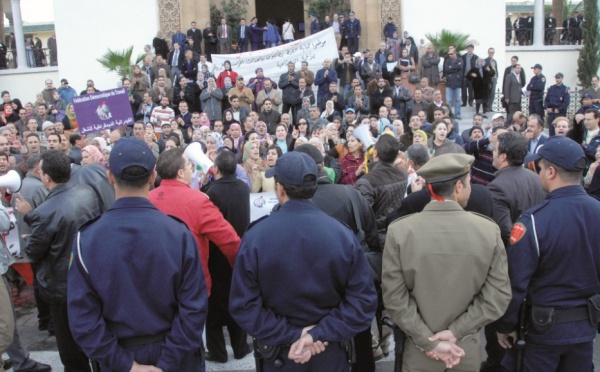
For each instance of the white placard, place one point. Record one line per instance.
(261, 204)
(312, 49)
(12, 236)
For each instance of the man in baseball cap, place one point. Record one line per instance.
(553, 260)
(559, 151)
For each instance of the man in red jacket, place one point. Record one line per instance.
(175, 198)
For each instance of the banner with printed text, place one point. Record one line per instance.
(104, 110)
(312, 49)
(261, 204)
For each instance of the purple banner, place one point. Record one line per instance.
(104, 110)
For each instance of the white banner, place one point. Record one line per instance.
(312, 49)
(261, 204)
(12, 236)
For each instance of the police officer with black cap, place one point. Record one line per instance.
(554, 264)
(557, 101)
(301, 284)
(137, 298)
(346, 204)
(536, 87)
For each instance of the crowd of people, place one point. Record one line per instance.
(370, 139)
(520, 31)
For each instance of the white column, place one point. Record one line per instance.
(19, 35)
(538, 23)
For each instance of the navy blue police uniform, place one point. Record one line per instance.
(558, 97)
(536, 86)
(316, 275)
(353, 31)
(314, 25)
(554, 263)
(583, 109)
(136, 289)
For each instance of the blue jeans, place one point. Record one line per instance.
(453, 98)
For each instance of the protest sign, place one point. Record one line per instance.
(11, 237)
(312, 49)
(261, 204)
(104, 110)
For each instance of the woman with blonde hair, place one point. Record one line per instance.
(254, 166)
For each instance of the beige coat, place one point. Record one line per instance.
(6, 319)
(444, 268)
(245, 95)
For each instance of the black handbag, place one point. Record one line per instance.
(414, 79)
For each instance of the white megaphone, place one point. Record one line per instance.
(195, 154)
(11, 181)
(363, 134)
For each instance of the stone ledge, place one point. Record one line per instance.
(543, 48)
(34, 70)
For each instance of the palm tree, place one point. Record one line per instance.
(442, 40)
(120, 61)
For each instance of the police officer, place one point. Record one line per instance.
(554, 263)
(586, 104)
(557, 101)
(346, 204)
(536, 87)
(429, 258)
(314, 24)
(343, 31)
(305, 291)
(352, 32)
(137, 297)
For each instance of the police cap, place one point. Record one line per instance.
(446, 167)
(294, 169)
(561, 151)
(129, 152)
(537, 65)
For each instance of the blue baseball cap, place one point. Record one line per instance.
(129, 152)
(295, 169)
(351, 110)
(561, 151)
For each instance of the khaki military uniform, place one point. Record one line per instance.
(444, 268)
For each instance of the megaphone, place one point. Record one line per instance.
(195, 154)
(11, 181)
(363, 134)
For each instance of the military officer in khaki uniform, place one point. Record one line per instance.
(444, 273)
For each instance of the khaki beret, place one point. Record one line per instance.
(446, 167)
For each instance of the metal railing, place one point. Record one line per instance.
(34, 57)
(574, 103)
(552, 36)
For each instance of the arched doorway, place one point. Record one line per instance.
(279, 11)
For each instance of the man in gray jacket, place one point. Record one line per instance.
(512, 90)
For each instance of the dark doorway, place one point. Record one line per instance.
(279, 10)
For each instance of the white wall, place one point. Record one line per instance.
(26, 84)
(85, 30)
(553, 61)
(483, 20)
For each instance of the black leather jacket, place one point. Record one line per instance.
(384, 188)
(54, 225)
(95, 176)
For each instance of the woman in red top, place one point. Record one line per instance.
(228, 72)
(352, 163)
